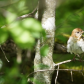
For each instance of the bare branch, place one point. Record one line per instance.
(53, 70)
(27, 15)
(62, 62)
(57, 75)
(57, 69)
(67, 62)
(4, 54)
(23, 16)
(71, 76)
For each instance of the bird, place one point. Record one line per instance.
(75, 43)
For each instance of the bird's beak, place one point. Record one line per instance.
(82, 31)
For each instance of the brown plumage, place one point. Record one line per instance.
(75, 43)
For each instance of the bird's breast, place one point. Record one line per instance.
(74, 46)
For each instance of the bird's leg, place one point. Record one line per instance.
(74, 58)
(80, 57)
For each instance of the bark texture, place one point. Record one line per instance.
(46, 14)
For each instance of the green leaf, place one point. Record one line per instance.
(44, 50)
(25, 32)
(10, 17)
(32, 25)
(3, 35)
(25, 40)
(22, 37)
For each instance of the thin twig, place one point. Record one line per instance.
(57, 74)
(62, 62)
(66, 62)
(52, 70)
(71, 76)
(27, 15)
(4, 54)
(81, 72)
(23, 17)
(57, 69)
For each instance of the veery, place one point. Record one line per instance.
(75, 42)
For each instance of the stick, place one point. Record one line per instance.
(57, 74)
(4, 54)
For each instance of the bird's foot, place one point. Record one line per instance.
(73, 59)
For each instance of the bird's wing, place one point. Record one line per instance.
(69, 44)
(81, 44)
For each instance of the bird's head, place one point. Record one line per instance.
(77, 33)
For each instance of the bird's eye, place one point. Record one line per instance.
(77, 32)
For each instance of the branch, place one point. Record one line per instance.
(23, 16)
(71, 76)
(4, 54)
(67, 62)
(57, 75)
(62, 62)
(27, 15)
(58, 68)
(53, 70)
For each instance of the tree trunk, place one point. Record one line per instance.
(46, 14)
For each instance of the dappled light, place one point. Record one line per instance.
(31, 45)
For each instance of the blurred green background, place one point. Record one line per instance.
(69, 15)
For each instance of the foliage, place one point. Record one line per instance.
(23, 32)
(69, 15)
